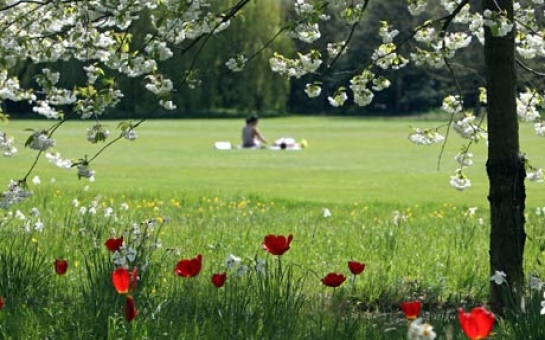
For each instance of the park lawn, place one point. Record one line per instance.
(390, 206)
(348, 160)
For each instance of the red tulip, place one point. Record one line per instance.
(61, 266)
(189, 267)
(478, 324)
(1, 303)
(114, 244)
(121, 279)
(356, 267)
(218, 280)
(333, 279)
(134, 278)
(130, 309)
(277, 245)
(411, 309)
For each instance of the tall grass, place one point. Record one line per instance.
(436, 253)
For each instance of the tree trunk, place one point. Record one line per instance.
(505, 168)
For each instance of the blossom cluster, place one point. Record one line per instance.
(6, 145)
(16, 193)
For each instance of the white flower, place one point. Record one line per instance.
(131, 254)
(260, 266)
(471, 211)
(130, 135)
(542, 305)
(108, 212)
(398, 217)
(36, 180)
(459, 181)
(40, 141)
(236, 64)
(426, 137)
(83, 171)
(241, 271)
(539, 128)
(326, 213)
(498, 277)
(39, 226)
(313, 90)
(338, 98)
(168, 104)
(534, 282)
(464, 158)
(535, 176)
(232, 260)
(19, 215)
(420, 331)
(35, 212)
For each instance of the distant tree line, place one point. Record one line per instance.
(209, 88)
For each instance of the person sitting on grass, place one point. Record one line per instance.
(251, 136)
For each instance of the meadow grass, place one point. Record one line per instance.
(390, 208)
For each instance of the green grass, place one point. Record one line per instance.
(391, 208)
(348, 160)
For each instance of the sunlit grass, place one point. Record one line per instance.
(433, 252)
(348, 160)
(390, 209)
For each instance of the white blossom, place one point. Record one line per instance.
(498, 278)
(459, 181)
(313, 90)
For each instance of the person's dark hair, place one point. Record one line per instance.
(252, 119)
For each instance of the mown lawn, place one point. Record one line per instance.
(348, 160)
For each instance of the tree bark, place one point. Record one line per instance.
(505, 167)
